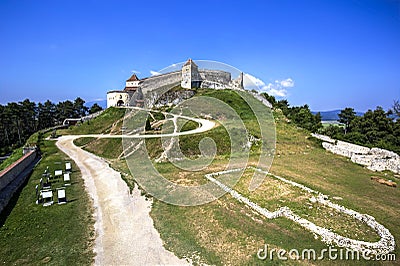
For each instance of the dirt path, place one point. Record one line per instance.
(125, 231)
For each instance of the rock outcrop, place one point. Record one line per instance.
(374, 159)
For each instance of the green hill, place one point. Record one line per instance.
(227, 232)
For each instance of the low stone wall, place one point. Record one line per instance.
(374, 159)
(8, 176)
(385, 245)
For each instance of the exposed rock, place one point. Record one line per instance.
(374, 159)
(323, 138)
(383, 181)
(337, 198)
(174, 97)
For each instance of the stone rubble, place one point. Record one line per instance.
(374, 159)
(385, 245)
(252, 140)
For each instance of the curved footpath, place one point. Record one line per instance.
(125, 234)
(205, 125)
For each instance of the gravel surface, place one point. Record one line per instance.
(125, 234)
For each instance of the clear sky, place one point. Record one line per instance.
(329, 54)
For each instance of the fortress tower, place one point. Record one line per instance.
(190, 75)
(132, 83)
(123, 98)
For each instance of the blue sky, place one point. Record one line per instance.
(328, 54)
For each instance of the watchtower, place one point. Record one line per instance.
(190, 75)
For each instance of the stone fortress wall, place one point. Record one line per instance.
(374, 159)
(154, 87)
(151, 88)
(154, 82)
(215, 79)
(217, 76)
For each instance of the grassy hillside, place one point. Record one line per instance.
(109, 121)
(229, 233)
(225, 231)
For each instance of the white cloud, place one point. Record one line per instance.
(154, 73)
(135, 71)
(277, 92)
(277, 88)
(287, 83)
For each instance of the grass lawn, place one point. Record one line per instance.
(55, 235)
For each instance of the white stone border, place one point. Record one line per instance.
(385, 245)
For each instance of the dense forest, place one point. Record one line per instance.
(376, 128)
(19, 120)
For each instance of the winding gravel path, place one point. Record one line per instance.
(124, 228)
(205, 125)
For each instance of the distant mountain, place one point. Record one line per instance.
(332, 115)
(102, 103)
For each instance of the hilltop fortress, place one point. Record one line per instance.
(142, 92)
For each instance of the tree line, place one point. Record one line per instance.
(20, 120)
(376, 128)
(299, 115)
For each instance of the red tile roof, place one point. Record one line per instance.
(133, 78)
(189, 62)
